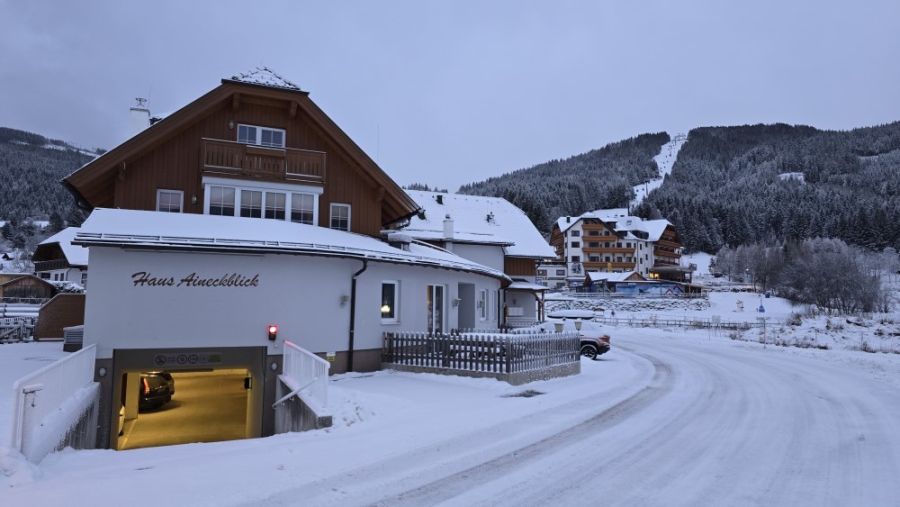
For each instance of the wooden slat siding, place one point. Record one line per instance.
(517, 266)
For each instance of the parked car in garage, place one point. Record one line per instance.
(154, 390)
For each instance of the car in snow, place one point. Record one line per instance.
(571, 314)
(593, 346)
(154, 390)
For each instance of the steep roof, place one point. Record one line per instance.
(75, 255)
(478, 220)
(90, 184)
(264, 76)
(181, 231)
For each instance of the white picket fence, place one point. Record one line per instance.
(56, 407)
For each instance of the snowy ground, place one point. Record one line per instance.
(670, 416)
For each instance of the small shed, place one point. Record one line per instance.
(25, 287)
(596, 281)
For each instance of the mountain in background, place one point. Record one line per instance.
(31, 167)
(731, 185)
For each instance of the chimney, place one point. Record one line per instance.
(568, 220)
(440, 199)
(140, 117)
(448, 228)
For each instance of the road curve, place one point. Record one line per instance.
(702, 425)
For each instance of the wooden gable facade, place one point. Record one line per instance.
(20, 286)
(200, 142)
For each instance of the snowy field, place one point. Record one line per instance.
(670, 416)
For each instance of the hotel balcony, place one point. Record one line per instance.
(251, 161)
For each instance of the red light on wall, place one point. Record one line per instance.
(273, 332)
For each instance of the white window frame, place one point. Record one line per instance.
(395, 304)
(433, 321)
(265, 187)
(179, 193)
(259, 135)
(334, 206)
(482, 305)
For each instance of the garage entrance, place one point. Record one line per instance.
(178, 396)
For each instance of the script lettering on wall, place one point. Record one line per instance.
(147, 279)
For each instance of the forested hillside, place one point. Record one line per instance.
(597, 179)
(726, 186)
(31, 167)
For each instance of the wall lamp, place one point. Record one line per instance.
(344, 299)
(385, 309)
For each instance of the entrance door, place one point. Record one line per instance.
(466, 307)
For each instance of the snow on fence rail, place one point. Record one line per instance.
(305, 378)
(16, 329)
(516, 358)
(56, 407)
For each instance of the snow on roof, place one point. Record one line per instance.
(265, 77)
(596, 276)
(526, 286)
(115, 227)
(624, 222)
(75, 255)
(478, 219)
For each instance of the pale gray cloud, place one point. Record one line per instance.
(446, 93)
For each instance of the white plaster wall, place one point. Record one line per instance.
(490, 256)
(299, 294)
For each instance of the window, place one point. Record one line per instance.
(542, 272)
(390, 298)
(593, 233)
(575, 234)
(627, 245)
(576, 258)
(619, 259)
(251, 204)
(435, 305)
(84, 279)
(221, 201)
(45, 276)
(482, 304)
(576, 244)
(262, 136)
(169, 201)
(608, 258)
(275, 205)
(302, 206)
(606, 233)
(595, 258)
(560, 272)
(594, 244)
(340, 217)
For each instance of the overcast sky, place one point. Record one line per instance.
(448, 93)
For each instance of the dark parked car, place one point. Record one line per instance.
(593, 346)
(154, 390)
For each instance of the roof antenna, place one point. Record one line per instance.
(141, 102)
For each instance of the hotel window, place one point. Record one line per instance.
(263, 136)
(302, 206)
(595, 258)
(575, 234)
(542, 272)
(390, 299)
(576, 258)
(576, 244)
(251, 204)
(340, 217)
(275, 205)
(560, 272)
(221, 201)
(169, 201)
(594, 244)
(593, 233)
(84, 279)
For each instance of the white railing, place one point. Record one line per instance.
(56, 406)
(306, 373)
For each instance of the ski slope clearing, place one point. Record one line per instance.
(665, 160)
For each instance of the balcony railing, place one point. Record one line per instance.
(50, 265)
(262, 162)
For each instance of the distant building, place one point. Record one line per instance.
(613, 241)
(57, 259)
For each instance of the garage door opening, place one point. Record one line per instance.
(181, 407)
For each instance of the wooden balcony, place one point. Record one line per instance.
(602, 266)
(611, 250)
(50, 265)
(251, 161)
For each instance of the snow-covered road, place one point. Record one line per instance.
(668, 417)
(694, 425)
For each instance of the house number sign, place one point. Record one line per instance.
(147, 279)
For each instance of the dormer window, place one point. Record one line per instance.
(262, 136)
